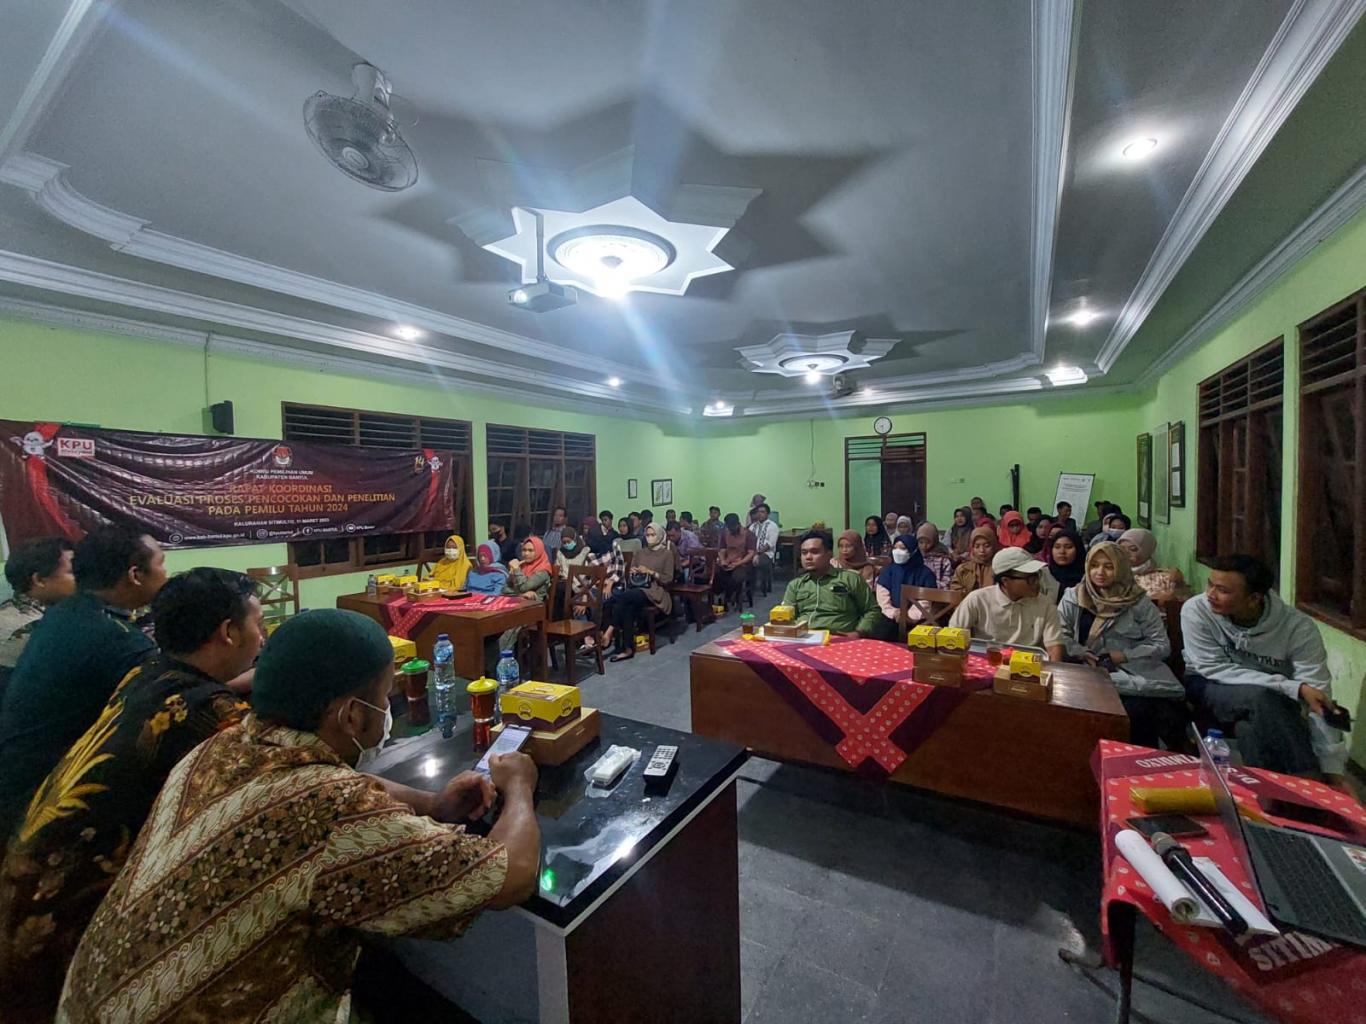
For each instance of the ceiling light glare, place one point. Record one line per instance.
(407, 333)
(520, 296)
(612, 256)
(1083, 317)
(813, 376)
(1136, 149)
(614, 382)
(1060, 376)
(718, 408)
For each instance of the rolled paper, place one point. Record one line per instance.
(1184, 907)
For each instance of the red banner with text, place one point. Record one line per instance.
(196, 491)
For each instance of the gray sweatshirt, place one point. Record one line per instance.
(1139, 634)
(1281, 650)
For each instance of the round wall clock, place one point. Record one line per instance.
(882, 425)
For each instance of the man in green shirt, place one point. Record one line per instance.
(75, 658)
(829, 598)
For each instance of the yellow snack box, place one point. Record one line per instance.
(429, 587)
(404, 650)
(1025, 665)
(952, 638)
(407, 581)
(922, 637)
(545, 706)
(387, 579)
(782, 613)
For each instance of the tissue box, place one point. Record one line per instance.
(544, 706)
(922, 637)
(952, 638)
(782, 613)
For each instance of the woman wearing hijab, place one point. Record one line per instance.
(976, 572)
(907, 569)
(1109, 622)
(454, 566)
(529, 579)
(875, 539)
(1066, 564)
(1012, 532)
(905, 527)
(569, 552)
(1141, 546)
(653, 566)
(936, 557)
(1038, 538)
(486, 576)
(850, 554)
(889, 524)
(960, 532)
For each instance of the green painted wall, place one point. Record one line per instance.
(1334, 270)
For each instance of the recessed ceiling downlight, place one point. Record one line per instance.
(1136, 149)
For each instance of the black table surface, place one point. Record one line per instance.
(590, 836)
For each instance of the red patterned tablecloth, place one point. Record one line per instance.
(405, 618)
(1293, 976)
(859, 695)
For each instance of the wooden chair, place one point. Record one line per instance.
(279, 593)
(941, 605)
(572, 632)
(697, 592)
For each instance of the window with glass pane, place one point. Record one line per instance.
(1331, 551)
(533, 471)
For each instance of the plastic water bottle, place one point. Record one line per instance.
(508, 673)
(443, 683)
(1218, 749)
(372, 586)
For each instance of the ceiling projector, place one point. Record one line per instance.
(543, 296)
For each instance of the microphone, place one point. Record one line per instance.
(1179, 863)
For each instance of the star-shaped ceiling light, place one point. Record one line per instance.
(615, 248)
(814, 355)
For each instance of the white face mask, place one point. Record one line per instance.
(900, 556)
(369, 754)
(452, 553)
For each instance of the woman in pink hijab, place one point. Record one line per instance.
(1012, 533)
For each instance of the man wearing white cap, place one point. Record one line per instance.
(1013, 611)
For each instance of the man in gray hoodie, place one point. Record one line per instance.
(1254, 661)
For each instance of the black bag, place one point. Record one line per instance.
(638, 580)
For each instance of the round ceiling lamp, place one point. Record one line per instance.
(812, 366)
(612, 256)
(1138, 148)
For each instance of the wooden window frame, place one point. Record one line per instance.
(552, 445)
(1231, 408)
(1332, 371)
(415, 547)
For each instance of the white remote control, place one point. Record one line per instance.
(605, 771)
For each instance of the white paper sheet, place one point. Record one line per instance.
(1185, 906)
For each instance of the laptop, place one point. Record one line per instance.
(1306, 880)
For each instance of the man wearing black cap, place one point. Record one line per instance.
(267, 855)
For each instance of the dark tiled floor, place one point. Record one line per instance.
(863, 902)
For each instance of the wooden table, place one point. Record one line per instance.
(1023, 755)
(467, 630)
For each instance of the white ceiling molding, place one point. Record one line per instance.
(868, 398)
(47, 181)
(786, 354)
(1052, 76)
(44, 274)
(1302, 47)
(1333, 213)
(74, 31)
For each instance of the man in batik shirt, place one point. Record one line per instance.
(267, 855)
(83, 818)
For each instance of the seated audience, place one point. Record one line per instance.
(454, 565)
(960, 533)
(684, 540)
(637, 527)
(1013, 611)
(486, 575)
(1110, 623)
(1038, 536)
(889, 522)
(529, 579)
(1115, 526)
(849, 554)
(754, 504)
(1012, 532)
(269, 825)
(734, 562)
(605, 524)
(1064, 516)
(559, 518)
(985, 518)
(1032, 516)
(978, 506)
(936, 556)
(1255, 662)
(670, 517)
(765, 532)
(70, 667)
(77, 831)
(501, 538)
(1066, 564)
(1001, 512)
(976, 571)
(830, 598)
(39, 572)
(907, 569)
(625, 540)
(710, 530)
(875, 539)
(687, 522)
(603, 550)
(652, 567)
(570, 553)
(905, 527)
(1103, 509)
(1141, 547)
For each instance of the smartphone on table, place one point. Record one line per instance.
(1174, 825)
(510, 740)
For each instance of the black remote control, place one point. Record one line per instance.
(660, 767)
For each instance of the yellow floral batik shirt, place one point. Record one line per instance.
(263, 861)
(83, 818)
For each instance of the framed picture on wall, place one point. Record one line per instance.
(661, 492)
(631, 489)
(1176, 465)
(1161, 475)
(1145, 480)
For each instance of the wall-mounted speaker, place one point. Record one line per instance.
(220, 414)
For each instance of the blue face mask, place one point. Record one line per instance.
(569, 547)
